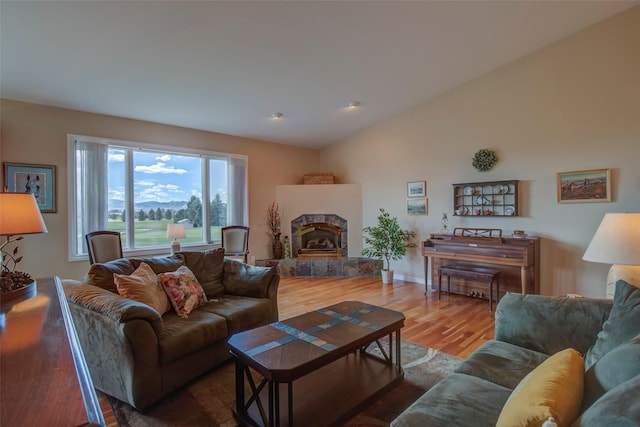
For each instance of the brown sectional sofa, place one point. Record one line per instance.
(138, 355)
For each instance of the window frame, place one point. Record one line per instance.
(76, 254)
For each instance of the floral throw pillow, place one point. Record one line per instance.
(183, 289)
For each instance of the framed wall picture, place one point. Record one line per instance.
(39, 180)
(417, 189)
(584, 186)
(417, 206)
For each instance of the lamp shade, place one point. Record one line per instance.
(19, 214)
(617, 240)
(176, 231)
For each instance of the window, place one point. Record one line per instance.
(137, 189)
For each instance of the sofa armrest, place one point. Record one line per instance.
(549, 324)
(111, 305)
(119, 338)
(246, 280)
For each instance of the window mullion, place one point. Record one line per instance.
(128, 197)
(206, 202)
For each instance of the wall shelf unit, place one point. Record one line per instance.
(493, 198)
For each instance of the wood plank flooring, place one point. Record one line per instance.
(456, 325)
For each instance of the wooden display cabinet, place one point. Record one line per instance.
(492, 198)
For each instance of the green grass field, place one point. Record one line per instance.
(154, 233)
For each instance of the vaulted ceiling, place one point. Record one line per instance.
(228, 66)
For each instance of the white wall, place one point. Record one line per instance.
(574, 105)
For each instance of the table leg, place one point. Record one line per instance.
(240, 405)
(290, 400)
(398, 358)
(274, 406)
(271, 403)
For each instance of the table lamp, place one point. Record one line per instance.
(19, 214)
(617, 242)
(175, 232)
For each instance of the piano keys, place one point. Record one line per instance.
(518, 259)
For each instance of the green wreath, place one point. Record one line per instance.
(484, 159)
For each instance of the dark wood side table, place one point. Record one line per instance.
(44, 379)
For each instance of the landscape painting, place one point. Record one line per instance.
(584, 186)
(417, 206)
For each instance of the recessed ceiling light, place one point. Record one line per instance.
(353, 104)
(276, 116)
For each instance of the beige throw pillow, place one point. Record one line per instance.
(143, 286)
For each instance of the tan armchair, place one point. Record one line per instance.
(235, 241)
(103, 246)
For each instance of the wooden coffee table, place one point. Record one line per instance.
(319, 363)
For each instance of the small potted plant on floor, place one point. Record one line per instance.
(387, 241)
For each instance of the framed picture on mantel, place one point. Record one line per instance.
(584, 186)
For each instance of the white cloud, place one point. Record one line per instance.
(161, 192)
(164, 158)
(160, 168)
(116, 194)
(116, 157)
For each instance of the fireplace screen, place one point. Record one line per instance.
(319, 235)
(319, 239)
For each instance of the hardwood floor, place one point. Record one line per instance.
(456, 325)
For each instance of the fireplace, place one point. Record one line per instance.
(319, 235)
(319, 239)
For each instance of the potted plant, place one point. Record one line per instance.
(387, 241)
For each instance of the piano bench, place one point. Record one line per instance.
(480, 274)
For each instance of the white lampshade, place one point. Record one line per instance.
(176, 231)
(19, 214)
(617, 240)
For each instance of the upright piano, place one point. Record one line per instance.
(517, 258)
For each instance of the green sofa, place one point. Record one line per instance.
(530, 330)
(137, 355)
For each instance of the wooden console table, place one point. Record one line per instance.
(43, 376)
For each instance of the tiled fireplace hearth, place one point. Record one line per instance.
(319, 248)
(325, 267)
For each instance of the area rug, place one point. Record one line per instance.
(207, 402)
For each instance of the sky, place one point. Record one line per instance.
(164, 177)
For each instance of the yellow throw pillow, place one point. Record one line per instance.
(553, 389)
(143, 286)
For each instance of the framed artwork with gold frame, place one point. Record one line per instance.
(584, 186)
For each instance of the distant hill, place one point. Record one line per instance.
(175, 205)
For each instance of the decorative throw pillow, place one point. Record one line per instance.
(623, 323)
(553, 389)
(207, 267)
(614, 368)
(183, 289)
(142, 286)
(619, 407)
(101, 275)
